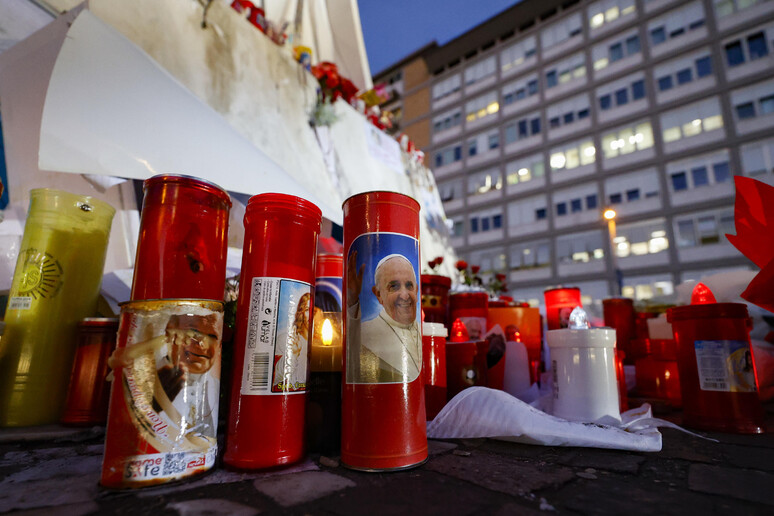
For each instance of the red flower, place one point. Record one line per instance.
(461, 265)
(438, 260)
(500, 277)
(474, 269)
(348, 89)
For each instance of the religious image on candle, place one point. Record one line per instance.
(384, 341)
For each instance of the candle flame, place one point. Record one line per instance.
(327, 332)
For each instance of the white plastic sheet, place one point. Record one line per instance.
(482, 412)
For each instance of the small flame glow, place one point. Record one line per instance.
(702, 295)
(459, 332)
(327, 332)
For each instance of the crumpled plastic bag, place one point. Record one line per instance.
(483, 412)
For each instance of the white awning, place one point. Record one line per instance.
(112, 110)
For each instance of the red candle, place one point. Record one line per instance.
(619, 314)
(465, 366)
(435, 298)
(717, 371)
(271, 349)
(434, 367)
(181, 253)
(559, 305)
(89, 392)
(383, 403)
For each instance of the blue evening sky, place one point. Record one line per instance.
(395, 29)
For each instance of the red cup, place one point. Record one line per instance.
(718, 380)
(434, 367)
(89, 394)
(465, 366)
(560, 303)
(435, 298)
(619, 314)
(472, 308)
(271, 351)
(383, 399)
(181, 253)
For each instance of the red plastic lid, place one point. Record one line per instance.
(383, 197)
(284, 204)
(707, 311)
(618, 301)
(552, 289)
(194, 182)
(329, 266)
(436, 279)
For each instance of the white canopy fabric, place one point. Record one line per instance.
(111, 110)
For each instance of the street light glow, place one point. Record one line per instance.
(609, 214)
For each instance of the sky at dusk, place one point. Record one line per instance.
(392, 30)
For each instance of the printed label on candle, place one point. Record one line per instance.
(383, 324)
(725, 365)
(276, 347)
(20, 303)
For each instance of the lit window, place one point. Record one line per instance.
(713, 122)
(597, 20)
(671, 134)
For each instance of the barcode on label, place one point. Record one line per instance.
(20, 303)
(714, 386)
(260, 371)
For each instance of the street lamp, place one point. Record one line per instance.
(609, 215)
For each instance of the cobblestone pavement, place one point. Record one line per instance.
(56, 470)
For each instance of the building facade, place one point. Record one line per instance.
(546, 114)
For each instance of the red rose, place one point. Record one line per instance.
(439, 260)
(500, 277)
(348, 89)
(461, 265)
(474, 269)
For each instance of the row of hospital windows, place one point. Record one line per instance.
(687, 174)
(684, 122)
(666, 79)
(637, 239)
(670, 26)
